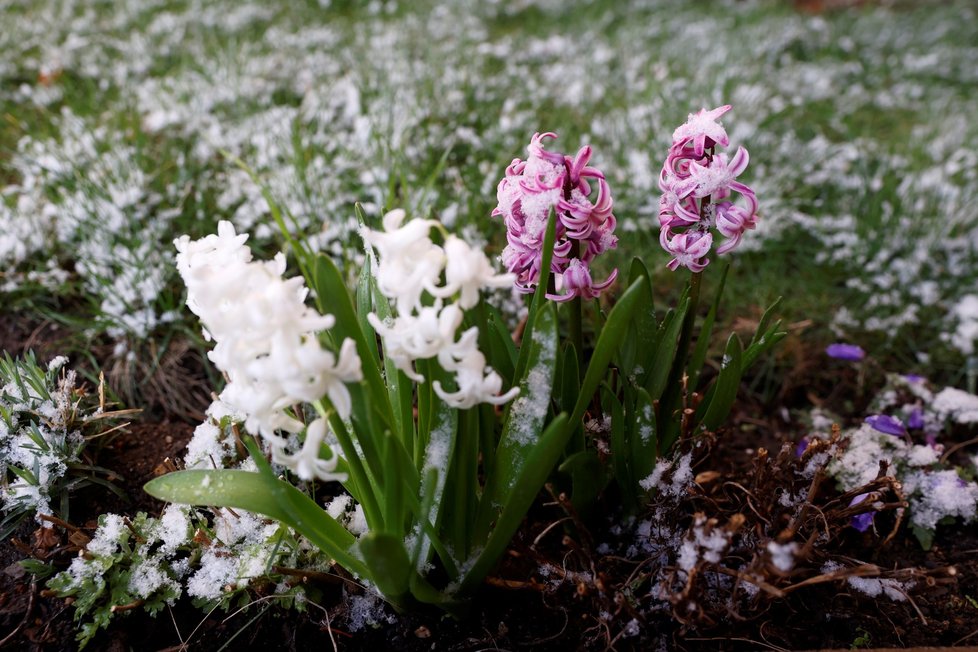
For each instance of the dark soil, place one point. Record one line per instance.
(519, 608)
(22, 332)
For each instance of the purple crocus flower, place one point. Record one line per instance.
(547, 181)
(802, 446)
(861, 522)
(696, 184)
(914, 378)
(841, 351)
(887, 425)
(916, 419)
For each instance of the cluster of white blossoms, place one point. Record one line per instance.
(267, 344)
(410, 265)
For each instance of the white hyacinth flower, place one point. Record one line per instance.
(266, 341)
(307, 463)
(467, 271)
(411, 264)
(476, 384)
(418, 337)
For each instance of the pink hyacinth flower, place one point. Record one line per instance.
(733, 221)
(696, 184)
(581, 199)
(578, 283)
(713, 177)
(689, 250)
(702, 131)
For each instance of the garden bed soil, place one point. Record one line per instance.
(515, 610)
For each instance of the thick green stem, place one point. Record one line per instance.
(365, 493)
(686, 337)
(686, 334)
(576, 331)
(575, 325)
(669, 404)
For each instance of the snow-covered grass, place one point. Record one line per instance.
(118, 121)
(47, 420)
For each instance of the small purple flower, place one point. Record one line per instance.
(887, 425)
(861, 522)
(841, 351)
(916, 419)
(914, 378)
(802, 446)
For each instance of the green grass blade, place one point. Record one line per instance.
(665, 351)
(620, 457)
(504, 356)
(589, 477)
(539, 462)
(390, 567)
(333, 298)
(766, 318)
(400, 388)
(765, 343)
(724, 392)
(433, 175)
(644, 437)
(365, 305)
(638, 346)
(608, 340)
(525, 418)
(570, 389)
(303, 256)
(698, 358)
(765, 338)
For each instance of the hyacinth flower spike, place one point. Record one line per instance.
(714, 177)
(696, 183)
(580, 197)
(415, 264)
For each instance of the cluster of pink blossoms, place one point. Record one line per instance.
(696, 185)
(549, 180)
